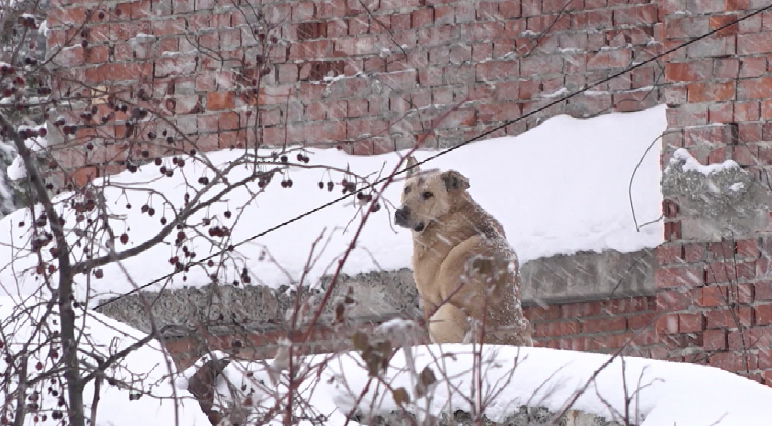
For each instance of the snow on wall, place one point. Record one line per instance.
(559, 188)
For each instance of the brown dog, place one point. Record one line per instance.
(462, 264)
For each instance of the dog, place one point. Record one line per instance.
(465, 271)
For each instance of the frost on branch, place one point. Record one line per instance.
(726, 198)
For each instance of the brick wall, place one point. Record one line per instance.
(598, 326)
(715, 292)
(399, 64)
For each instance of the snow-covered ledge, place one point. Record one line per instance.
(716, 200)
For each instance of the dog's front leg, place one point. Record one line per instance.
(448, 325)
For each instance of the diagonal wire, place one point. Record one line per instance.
(466, 142)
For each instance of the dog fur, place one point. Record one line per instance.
(463, 266)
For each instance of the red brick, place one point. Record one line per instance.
(670, 253)
(741, 340)
(609, 59)
(645, 337)
(487, 10)
(556, 328)
(228, 121)
(763, 267)
(636, 15)
(667, 324)
(717, 155)
(591, 19)
(421, 18)
(673, 230)
(763, 314)
(714, 340)
(746, 111)
(759, 88)
(694, 252)
(640, 321)
(762, 291)
(760, 337)
(765, 360)
(765, 112)
(614, 307)
(743, 293)
(746, 154)
(752, 67)
(70, 16)
(690, 323)
(754, 44)
(84, 175)
(684, 26)
(303, 11)
(541, 313)
(713, 296)
(710, 92)
(749, 132)
(219, 101)
(741, 5)
(677, 277)
(669, 301)
(312, 49)
(719, 272)
(580, 309)
(721, 113)
(719, 21)
(207, 123)
(728, 361)
(374, 127)
(726, 318)
(687, 115)
(603, 325)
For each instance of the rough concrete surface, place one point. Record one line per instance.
(727, 202)
(588, 276)
(582, 276)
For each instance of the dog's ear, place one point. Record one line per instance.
(454, 180)
(411, 167)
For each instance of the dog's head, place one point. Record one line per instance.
(428, 196)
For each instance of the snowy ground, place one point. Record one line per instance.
(559, 188)
(660, 393)
(144, 370)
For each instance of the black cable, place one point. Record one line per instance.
(478, 137)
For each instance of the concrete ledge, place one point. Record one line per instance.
(588, 276)
(223, 309)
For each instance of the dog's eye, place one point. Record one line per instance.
(426, 195)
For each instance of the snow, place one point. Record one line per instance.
(43, 29)
(689, 163)
(560, 92)
(559, 188)
(16, 170)
(662, 393)
(142, 38)
(147, 366)
(6, 197)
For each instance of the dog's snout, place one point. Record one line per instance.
(401, 215)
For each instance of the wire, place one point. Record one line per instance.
(441, 153)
